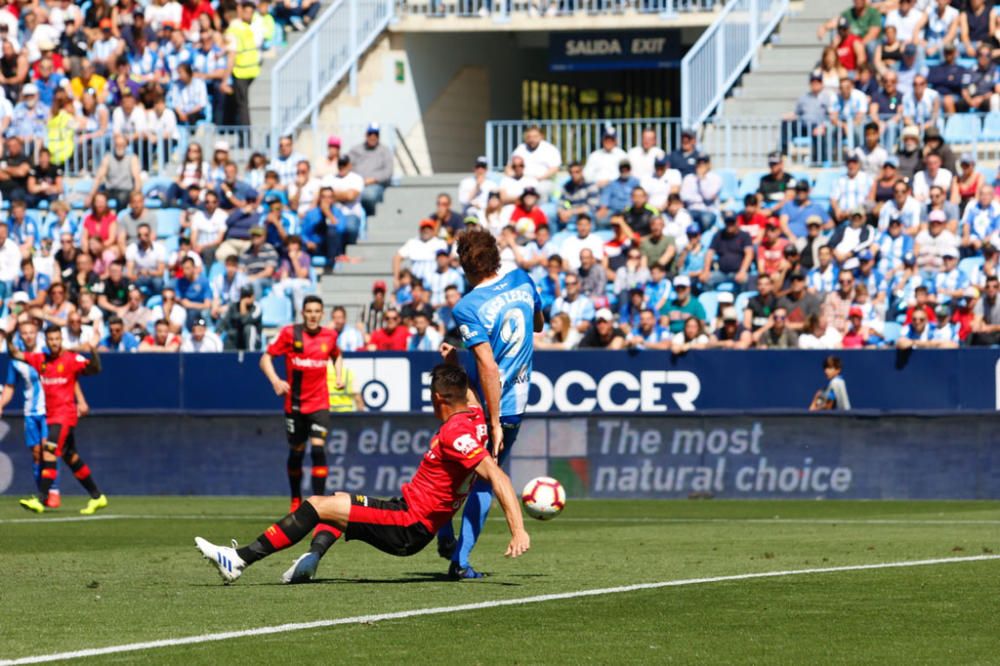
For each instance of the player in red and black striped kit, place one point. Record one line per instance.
(403, 526)
(307, 347)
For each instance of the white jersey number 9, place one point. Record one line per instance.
(513, 330)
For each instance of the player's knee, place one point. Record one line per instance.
(298, 448)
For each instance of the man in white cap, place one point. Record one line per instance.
(932, 243)
(373, 161)
(30, 115)
(950, 281)
(603, 334)
(602, 164)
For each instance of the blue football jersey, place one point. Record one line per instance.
(501, 313)
(34, 395)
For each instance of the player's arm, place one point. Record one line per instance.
(489, 470)
(15, 353)
(82, 408)
(489, 381)
(280, 386)
(94, 366)
(450, 356)
(338, 370)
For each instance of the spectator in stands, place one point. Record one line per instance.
(883, 189)
(837, 305)
(730, 334)
(981, 86)
(373, 162)
(349, 338)
(541, 159)
(10, 261)
(691, 336)
(848, 110)
(776, 186)
(920, 334)
(643, 156)
(975, 27)
(443, 277)
(14, 170)
(132, 218)
(237, 236)
(648, 334)
(194, 293)
(593, 277)
(604, 334)
(902, 208)
(683, 306)
(208, 227)
(421, 252)
(871, 154)
(776, 334)
(661, 183)
(656, 248)
(933, 174)
(444, 317)
(584, 239)
(795, 213)
(640, 214)
(373, 313)
(760, 306)
(791, 264)
(616, 194)
(863, 20)
(559, 335)
(418, 302)
(676, 220)
(242, 325)
(851, 190)
(324, 227)
(948, 78)
(513, 184)
(201, 339)
(991, 260)
(604, 164)
(188, 97)
(76, 335)
(656, 293)
(909, 154)
(273, 221)
(816, 334)
(632, 274)
(161, 340)
(849, 48)
(823, 276)
(980, 221)
(691, 260)
(32, 283)
(909, 68)
(474, 190)
(136, 316)
(112, 293)
(392, 336)
(851, 239)
(45, 180)
(226, 286)
(24, 229)
(259, 261)
(934, 143)
(348, 186)
(799, 304)
(118, 339)
(118, 175)
(941, 29)
(685, 158)
(771, 251)
(831, 69)
(424, 337)
(146, 261)
(922, 107)
(949, 281)
(729, 258)
(986, 315)
(303, 190)
(30, 115)
(751, 219)
(286, 161)
(578, 307)
(170, 310)
(812, 110)
(908, 21)
(967, 181)
(526, 217)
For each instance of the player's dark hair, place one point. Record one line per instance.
(832, 362)
(479, 255)
(312, 298)
(163, 322)
(450, 382)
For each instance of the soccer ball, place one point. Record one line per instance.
(543, 498)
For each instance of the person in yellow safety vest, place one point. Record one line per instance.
(61, 128)
(347, 398)
(243, 65)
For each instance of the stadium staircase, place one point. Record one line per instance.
(771, 88)
(395, 221)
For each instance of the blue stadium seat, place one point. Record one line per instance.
(961, 128)
(560, 237)
(170, 242)
(318, 261)
(742, 300)
(969, 264)
(991, 127)
(276, 309)
(710, 301)
(217, 269)
(605, 234)
(748, 185)
(825, 181)
(154, 300)
(730, 184)
(801, 175)
(891, 332)
(168, 222)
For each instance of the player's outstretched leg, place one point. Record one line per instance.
(477, 509)
(319, 468)
(296, 453)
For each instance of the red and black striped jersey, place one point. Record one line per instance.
(306, 355)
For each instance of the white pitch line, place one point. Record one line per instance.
(482, 605)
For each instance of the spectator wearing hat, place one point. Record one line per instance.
(691, 259)
(950, 281)
(812, 110)
(604, 164)
(259, 261)
(541, 159)
(526, 217)
(685, 158)
(700, 192)
(420, 252)
(729, 333)
(604, 334)
(848, 110)
(474, 190)
(616, 195)
(30, 115)
(850, 49)
(851, 238)
(729, 257)
(682, 306)
(771, 251)
(372, 314)
(373, 162)
(851, 190)
(201, 340)
(328, 165)
(776, 186)
(934, 143)
(799, 303)
(909, 155)
(242, 326)
(932, 243)
(980, 221)
(986, 315)
(922, 107)
(661, 183)
(795, 213)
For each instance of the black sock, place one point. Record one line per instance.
(319, 470)
(324, 537)
(295, 457)
(288, 531)
(82, 474)
(46, 477)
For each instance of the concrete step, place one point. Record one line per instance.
(765, 90)
(351, 283)
(800, 36)
(374, 253)
(792, 57)
(739, 107)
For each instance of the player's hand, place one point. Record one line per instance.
(281, 387)
(82, 409)
(338, 382)
(497, 435)
(519, 544)
(448, 352)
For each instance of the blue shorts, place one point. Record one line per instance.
(36, 430)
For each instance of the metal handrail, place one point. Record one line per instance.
(716, 61)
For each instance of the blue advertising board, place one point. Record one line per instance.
(599, 456)
(597, 50)
(646, 382)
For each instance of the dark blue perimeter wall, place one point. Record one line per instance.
(867, 456)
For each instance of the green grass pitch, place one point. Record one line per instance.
(134, 576)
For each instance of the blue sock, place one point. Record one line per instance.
(477, 508)
(36, 472)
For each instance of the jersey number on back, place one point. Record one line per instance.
(512, 330)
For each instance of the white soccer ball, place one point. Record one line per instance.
(544, 498)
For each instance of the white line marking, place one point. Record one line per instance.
(564, 519)
(498, 603)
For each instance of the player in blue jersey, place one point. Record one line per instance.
(497, 319)
(35, 428)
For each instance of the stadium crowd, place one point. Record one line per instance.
(641, 249)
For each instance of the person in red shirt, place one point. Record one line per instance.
(392, 336)
(307, 347)
(850, 48)
(401, 526)
(771, 251)
(162, 339)
(923, 303)
(59, 369)
(750, 219)
(527, 207)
